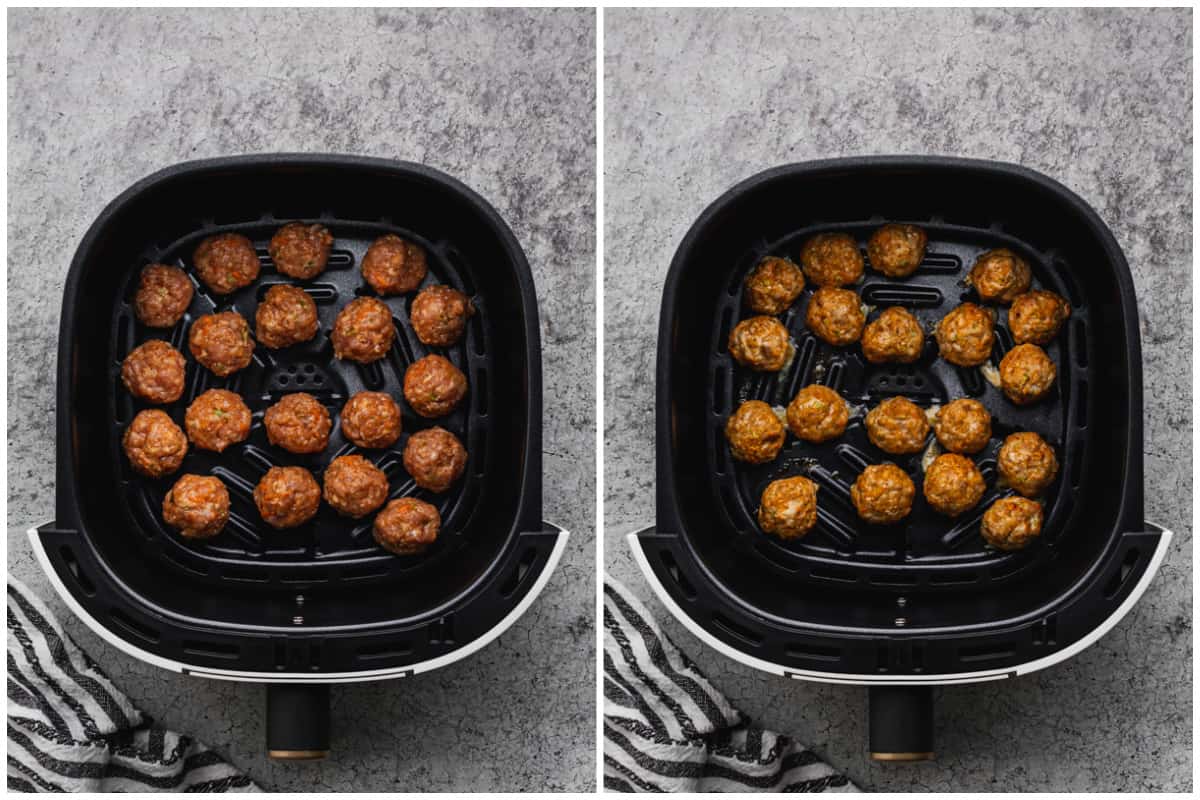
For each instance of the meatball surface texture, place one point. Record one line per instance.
(363, 330)
(1027, 463)
(154, 444)
(371, 420)
(817, 414)
(963, 426)
(953, 484)
(755, 432)
(1036, 317)
(788, 508)
(298, 423)
(836, 316)
(761, 343)
(155, 372)
(965, 336)
(217, 419)
(999, 276)
(1026, 374)
(394, 265)
(1011, 523)
(895, 336)
(226, 262)
(407, 526)
(355, 487)
(301, 251)
(434, 458)
(897, 250)
(221, 342)
(433, 386)
(439, 315)
(286, 316)
(883, 494)
(197, 506)
(163, 295)
(773, 285)
(898, 426)
(287, 497)
(831, 259)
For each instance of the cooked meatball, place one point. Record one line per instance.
(197, 505)
(897, 250)
(154, 371)
(898, 426)
(1011, 523)
(287, 497)
(439, 315)
(894, 336)
(433, 386)
(755, 432)
(226, 262)
(953, 484)
(963, 426)
(435, 458)
(1036, 317)
(154, 443)
(393, 265)
(1027, 463)
(1026, 374)
(817, 414)
(773, 285)
(301, 251)
(835, 315)
(298, 423)
(286, 316)
(163, 295)
(883, 494)
(354, 486)
(221, 342)
(363, 330)
(371, 420)
(788, 508)
(999, 276)
(217, 419)
(407, 526)
(762, 344)
(965, 335)
(831, 259)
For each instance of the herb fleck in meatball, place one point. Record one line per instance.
(1011, 523)
(788, 508)
(817, 414)
(439, 315)
(154, 372)
(154, 443)
(433, 386)
(286, 316)
(435, 458)
(393, 265)
(883, 494)
(897, 250)
(953, 484)
(354, 486)
(894, 336)
(221, 342)
(298, 423)
(835, 315)
(363, 330)
(831, 259)
(999, 276)
(965, 336)
(1036, 317)
(773, 285)
(963, 426)
(197, 505)
(371, 420)
(217, 419)
(755, 432)
(1027, 463)
(762, 344)
(407, 526)
(1026, 374)
(163, 295)
(301, 251)
(897, 426)
(226, 262)
(287, 497)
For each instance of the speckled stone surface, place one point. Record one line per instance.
(503, 100)
(1100, 100)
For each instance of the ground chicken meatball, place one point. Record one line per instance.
(433, 386)
(286, 316)
(298, 423)
(221, 342)
(883, 494)
(836, 316)
(217, 419)
(1026, 374)
(831, 259)
(894, 336)
(965, 336)
(226, 262)
(1036, 317)
(163, 295)
(154, 443)
(287, 497)
(301, 251)
(1011, 523)
(762, 344)
(755, 432)
(197, 505)
(434, 458)
(154, 371)
(439, 315)
(788, 508)
(407, 526)
(817, 414)
(963, 426)
(999, 276)
(897, 250)
(898, 426)
(354, 486)
(1027, 463)
(393, 265)
(953, 484)
(363, 330)
(371, 420)
(773, 285)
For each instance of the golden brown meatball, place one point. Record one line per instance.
(788, 508)
(434, 458)
(953, 484)
(287, 497)
(762, 344)
(407, 526)
(154, 443)
(1011, 523)
(286, 316)
(298, 423)
(1027, 463)
(154, 371)
(226, 262)
(894, 336)
(835, 315)
(1026, 374)
(163, 295)
(965, 336)
(1036, 317)
(898, 426)
(197, 505)
(363, 330)
(883, 494)
(817, 414)
(217, 419)
(773, 285)
(831, 259)
(221, 342)
(393, 265)
(354, 486)
(999, 276)
(371, 420)
(755, 432)
(897, 250)
(439, 315)
(963, 426)
(301, 251)
(433, 386)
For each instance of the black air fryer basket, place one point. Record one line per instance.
(906, 607)
(322, 603)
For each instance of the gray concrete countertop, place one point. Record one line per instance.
(1100, 100)
(502, 100)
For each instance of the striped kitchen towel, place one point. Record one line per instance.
(667, 729)
(71, 730)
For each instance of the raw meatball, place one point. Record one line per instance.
(217, 419)
(433, 386)
(999, 276)
(393, 265)
(965, 335)
(773, 285)
(198, 505)
(1036, 317)
(817, 414)
(835, 315)
(298, 423)
(894, 336)
(226, 262)
(407, 526)
(439, 315)
(286, 316)
(755, 432)
(287, 497)
(371, 420)
(154, 372)
(788, 508)
(883, 494)
(897, 250)
(221, 342)
(154, 443)
(831, 259)
(761, 343)
(301, 251)
(1027, 463)
(1011, 523)
(354, 486)
(435, 458)
(898, 426)
(363, 330)
(953, 484)
(1026, 374)
(163, 295)
(963, 426)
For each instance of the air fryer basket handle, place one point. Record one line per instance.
(297, 720)
(901, 723)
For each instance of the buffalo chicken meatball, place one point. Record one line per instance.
(221, 342)
(354, 486)
(883, 494)
(897, 426)
(1011, 523)
(439, 315)
(895, 336)
(301, 251)
(371, 420)
(817, 414)
(963, 426)
(788, 508)
(773, 285)
(999, 276)
(393, 265)
(831, 259)
(434, 458)
(298, 423)
(407, 526)
(755, 432)
(965, 336)
(197, 505)
(1027, 463)
(433, 386)
(953, 484)
(836, 316)
(154, 372)
(363, 330)
(897, 250)
(287, 497)
(217, 419)
(1036, 317)
(762, 344)
(163, 295)
(286, 316)
(1026, 374)
(226, 262)
(154, 443)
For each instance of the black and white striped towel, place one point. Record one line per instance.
(667, 729)
(71, 730)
